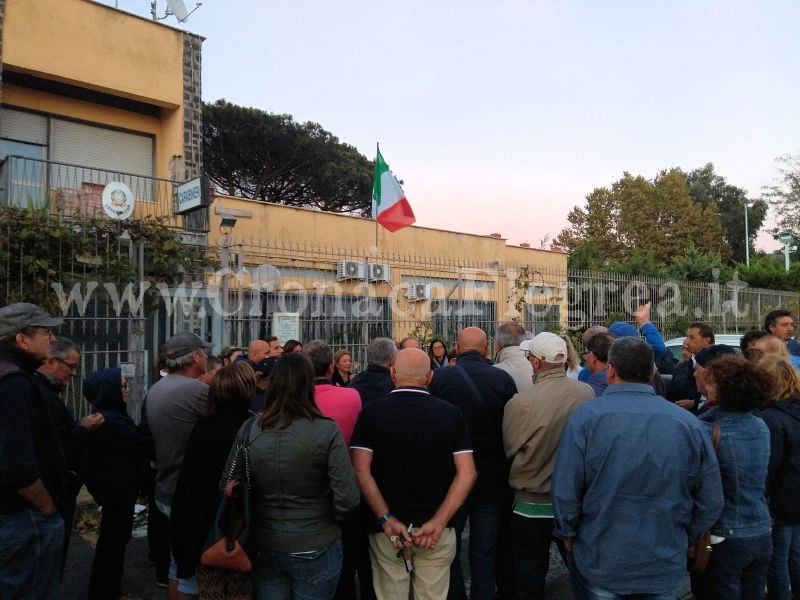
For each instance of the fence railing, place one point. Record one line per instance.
(347, 297)
(73, 190)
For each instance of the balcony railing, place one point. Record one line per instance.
(72, 190)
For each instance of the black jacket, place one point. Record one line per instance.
(118, 449)
(783, 478)
(683, 384)
(73, 437)
(196, 497)
(30, 448)
(372, 384)
(484, 415)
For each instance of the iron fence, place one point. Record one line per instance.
(343, 295)
(77, 191)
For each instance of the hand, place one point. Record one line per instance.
(92, 421)
(397, 532)
(643, 314)
(427, 536)
(568, 544)
(687, 404)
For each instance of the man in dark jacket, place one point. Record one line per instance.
(376, 382)
(51, 378)
(118, 450)
(481, 391)
(32, 469)
(373, 384)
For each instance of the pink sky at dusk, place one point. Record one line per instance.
(500, 117)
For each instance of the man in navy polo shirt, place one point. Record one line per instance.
(413, 461)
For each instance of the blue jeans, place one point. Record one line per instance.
(299, 576)
(784, 567)
(30, 554)
(484, 528)
(737, 568)
(581, 590)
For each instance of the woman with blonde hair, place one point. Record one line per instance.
(342, 363)
(782, 417)
(302, 484)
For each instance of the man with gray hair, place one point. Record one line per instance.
(52, 378)
(636, 481)
(373, 384)
(376, 381)
(510, 358)
(32, 469)
(174, 405)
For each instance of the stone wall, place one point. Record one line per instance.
(192, 105)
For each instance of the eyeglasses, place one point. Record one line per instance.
(70, 366)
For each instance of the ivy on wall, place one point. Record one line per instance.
(38, 249)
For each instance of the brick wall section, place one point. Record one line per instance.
(192, 105)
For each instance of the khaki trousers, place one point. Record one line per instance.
(430, 578)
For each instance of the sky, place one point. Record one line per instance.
(501, 116)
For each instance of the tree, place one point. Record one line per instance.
(706, 188)
(639, 218)
(255, 154)
(784, 195)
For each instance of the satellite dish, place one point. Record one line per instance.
(265, 277)
(178, 8)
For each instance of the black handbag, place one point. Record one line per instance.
(230, 543)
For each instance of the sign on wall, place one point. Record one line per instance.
(118, 200)
(286, 326)
(192, 195)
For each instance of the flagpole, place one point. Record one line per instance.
(377, 152)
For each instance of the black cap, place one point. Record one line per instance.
(709, 353)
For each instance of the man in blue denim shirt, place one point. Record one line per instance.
(636, 480)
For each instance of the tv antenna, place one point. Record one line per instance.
(174, 7)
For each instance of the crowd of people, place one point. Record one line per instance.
(364, 483)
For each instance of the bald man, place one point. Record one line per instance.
(257, 350)
(413, 461)
(481, 392)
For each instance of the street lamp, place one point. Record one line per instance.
(747, 233)
(786, 239)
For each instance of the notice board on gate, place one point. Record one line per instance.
(286, 326)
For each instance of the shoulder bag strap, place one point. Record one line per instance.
(471, 384)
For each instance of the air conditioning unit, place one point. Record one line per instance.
(418, 291)
(378, 272)
(349, 269)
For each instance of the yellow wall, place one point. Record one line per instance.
(296, 237)
(283, 223)
(95, 46)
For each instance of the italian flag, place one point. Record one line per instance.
(389, 205)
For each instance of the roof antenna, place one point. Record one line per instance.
(174, 7)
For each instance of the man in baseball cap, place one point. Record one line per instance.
(184, 344)
(32, 467)
(532, 424)
(174, 405)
